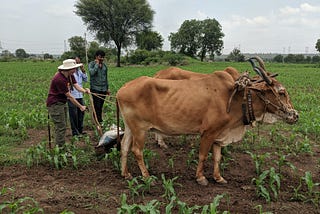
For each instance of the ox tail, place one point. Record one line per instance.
(118, 126)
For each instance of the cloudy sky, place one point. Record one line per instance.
(254, 26)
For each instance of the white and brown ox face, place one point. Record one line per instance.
(277, 102)
(273, 94)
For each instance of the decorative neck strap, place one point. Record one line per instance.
(247, 108)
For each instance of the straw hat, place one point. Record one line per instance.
(69, 64)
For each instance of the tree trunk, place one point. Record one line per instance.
(118, 55)
(202, 55)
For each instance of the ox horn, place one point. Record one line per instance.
(260, 61)
(261, 71)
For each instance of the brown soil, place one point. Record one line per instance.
(97, 188)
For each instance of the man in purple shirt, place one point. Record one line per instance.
(59, 93)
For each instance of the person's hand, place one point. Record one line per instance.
(108, 93)
(87, 91)
(99, 62)
(100, 59)
(82, 69)
(83, 108)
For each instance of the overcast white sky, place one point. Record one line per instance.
(254, 26)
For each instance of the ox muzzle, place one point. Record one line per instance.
(290, 116)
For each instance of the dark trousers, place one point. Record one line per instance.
(76, 117)
(98, 103)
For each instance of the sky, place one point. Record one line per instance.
(253, 26)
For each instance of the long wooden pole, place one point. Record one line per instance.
(94, 116)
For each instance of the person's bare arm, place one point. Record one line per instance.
(80, 89)
(75, 102)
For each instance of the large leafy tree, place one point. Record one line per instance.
(210, 38)
(78, 46)
(186, 40)
(318, 45)
(198, 38)
(115, 20)
(149, 40)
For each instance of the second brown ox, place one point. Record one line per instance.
(212, 106)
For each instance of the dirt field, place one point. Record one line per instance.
(97, 188)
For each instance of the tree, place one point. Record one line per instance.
(290, 58)
(21, 53)
(94, 46)
(115, 20)
(198, 38)
(211, 38)
(299, 58)
(149, 40)
(186, 40)
(78, 46)
(236, 56)
(318, 45)
(67, 55)
(47, 56)
(315, 59)
(7, 54)
(278, 58)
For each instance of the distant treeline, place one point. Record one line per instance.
(144, 57)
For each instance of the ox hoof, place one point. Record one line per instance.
(128, 176)
(202, 181)
(163, 145)
(221, 180)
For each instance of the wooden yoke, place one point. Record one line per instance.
(94, 117)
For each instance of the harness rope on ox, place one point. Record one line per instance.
(242, 83)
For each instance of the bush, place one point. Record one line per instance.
(138, 56)
(173, 58)
(144, 57)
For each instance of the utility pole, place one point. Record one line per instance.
(65, 46)
(86, 48)
(0, 49)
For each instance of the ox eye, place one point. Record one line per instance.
(282, 93)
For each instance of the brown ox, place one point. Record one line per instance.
(211, 106)
(175, 73)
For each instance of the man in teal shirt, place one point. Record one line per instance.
(99, 82)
